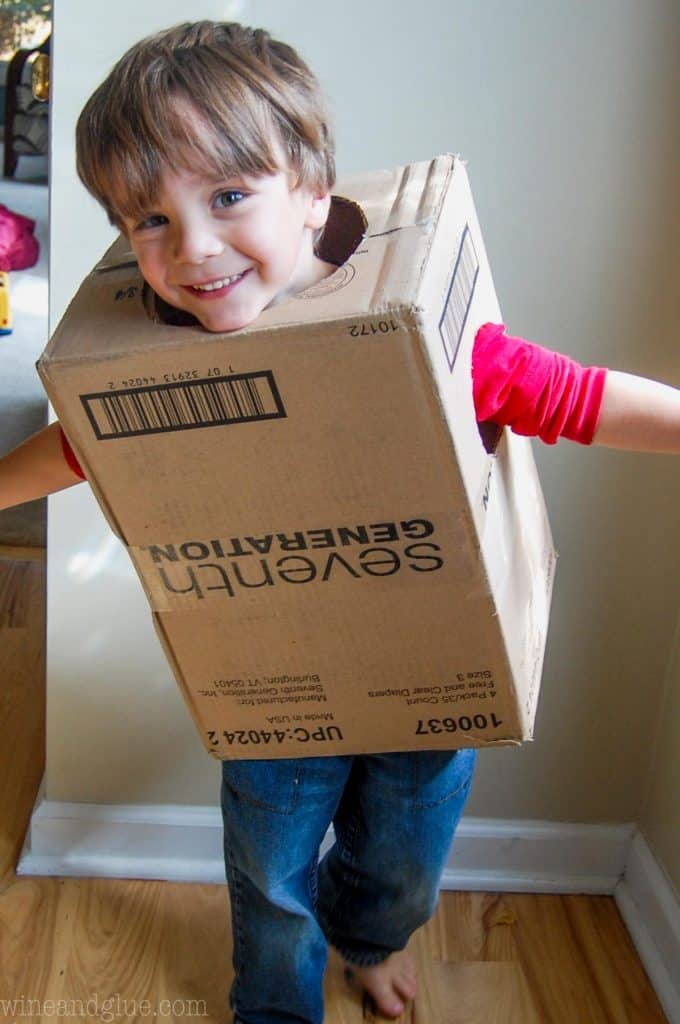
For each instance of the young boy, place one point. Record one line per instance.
(209, 147)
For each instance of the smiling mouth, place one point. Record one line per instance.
(220, 285)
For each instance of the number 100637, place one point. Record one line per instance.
(464, 723)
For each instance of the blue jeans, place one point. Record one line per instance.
(394, 817)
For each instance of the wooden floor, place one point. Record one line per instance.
(118, 951)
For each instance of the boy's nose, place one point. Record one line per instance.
(195, 243)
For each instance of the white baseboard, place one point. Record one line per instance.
(174, 843)
(650, 906)
(495, 855)
(182, 843)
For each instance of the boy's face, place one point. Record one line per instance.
(224, 250)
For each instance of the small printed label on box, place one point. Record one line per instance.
(294, 731)
(463, 686)
(255, 690)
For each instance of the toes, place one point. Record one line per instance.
(389, 1006)
(388, 994)
(388, 1001)
(406, 987)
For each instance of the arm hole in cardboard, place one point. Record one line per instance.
(490, 434)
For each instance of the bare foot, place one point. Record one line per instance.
(390, 983)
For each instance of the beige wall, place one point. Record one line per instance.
(660, 819)
(566, 114)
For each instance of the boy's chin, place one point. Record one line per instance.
(222, 323)
(214, 320)
(223, 315)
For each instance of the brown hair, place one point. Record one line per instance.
(214, 95)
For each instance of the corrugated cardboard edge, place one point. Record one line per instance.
(452, 160)
(428, 199)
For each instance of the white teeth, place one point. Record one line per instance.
(214, 285)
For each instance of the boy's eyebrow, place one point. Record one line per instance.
(239, 177)
(224, 179)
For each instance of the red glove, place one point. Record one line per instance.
(533, 390)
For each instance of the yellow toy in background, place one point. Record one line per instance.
(5, 311)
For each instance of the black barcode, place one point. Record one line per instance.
(156, 409)
(459, 297)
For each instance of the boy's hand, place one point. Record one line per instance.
(35, 468)
(639, 414)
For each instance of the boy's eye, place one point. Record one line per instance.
(229, 197)
(155, 220)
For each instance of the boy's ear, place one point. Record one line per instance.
(319, 204)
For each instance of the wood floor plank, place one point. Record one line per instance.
(344, 1004)
(615, 970)
(475, 993)
(22, 702)
(556, 969)
(28, 912)
(560, 965)
(195, 971)
(110, 941)
(471, 926)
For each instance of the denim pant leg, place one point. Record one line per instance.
(393, 828)
(276, 814)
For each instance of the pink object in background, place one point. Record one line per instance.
(19, 248)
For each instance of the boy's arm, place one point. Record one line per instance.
(35, 468)
(638, 414)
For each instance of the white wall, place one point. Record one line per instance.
(566, 113)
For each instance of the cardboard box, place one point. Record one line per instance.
(334, 562)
